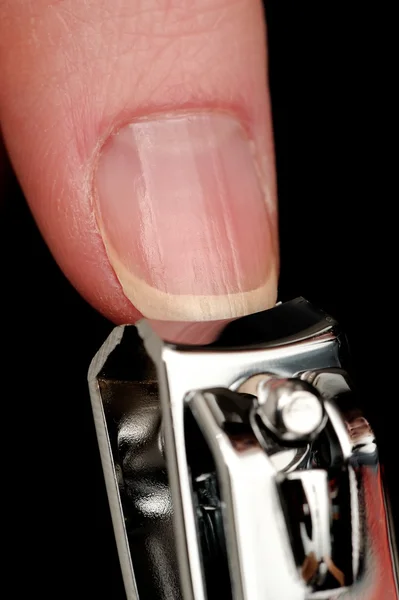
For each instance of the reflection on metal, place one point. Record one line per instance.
(272, 486)
(290, 409)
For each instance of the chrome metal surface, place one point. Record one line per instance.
(184, 369)
(109, 463)
(252, 516)
(312, 525)
(294, 510)
(290, 409)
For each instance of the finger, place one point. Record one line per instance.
(141, 134)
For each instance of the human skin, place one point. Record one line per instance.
(140, 133)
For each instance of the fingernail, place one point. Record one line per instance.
(183, 218)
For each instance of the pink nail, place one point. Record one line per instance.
(183, 218)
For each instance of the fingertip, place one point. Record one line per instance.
(195, 235)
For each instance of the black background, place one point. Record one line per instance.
(329, 106)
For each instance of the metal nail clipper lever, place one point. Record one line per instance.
(242, 469)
